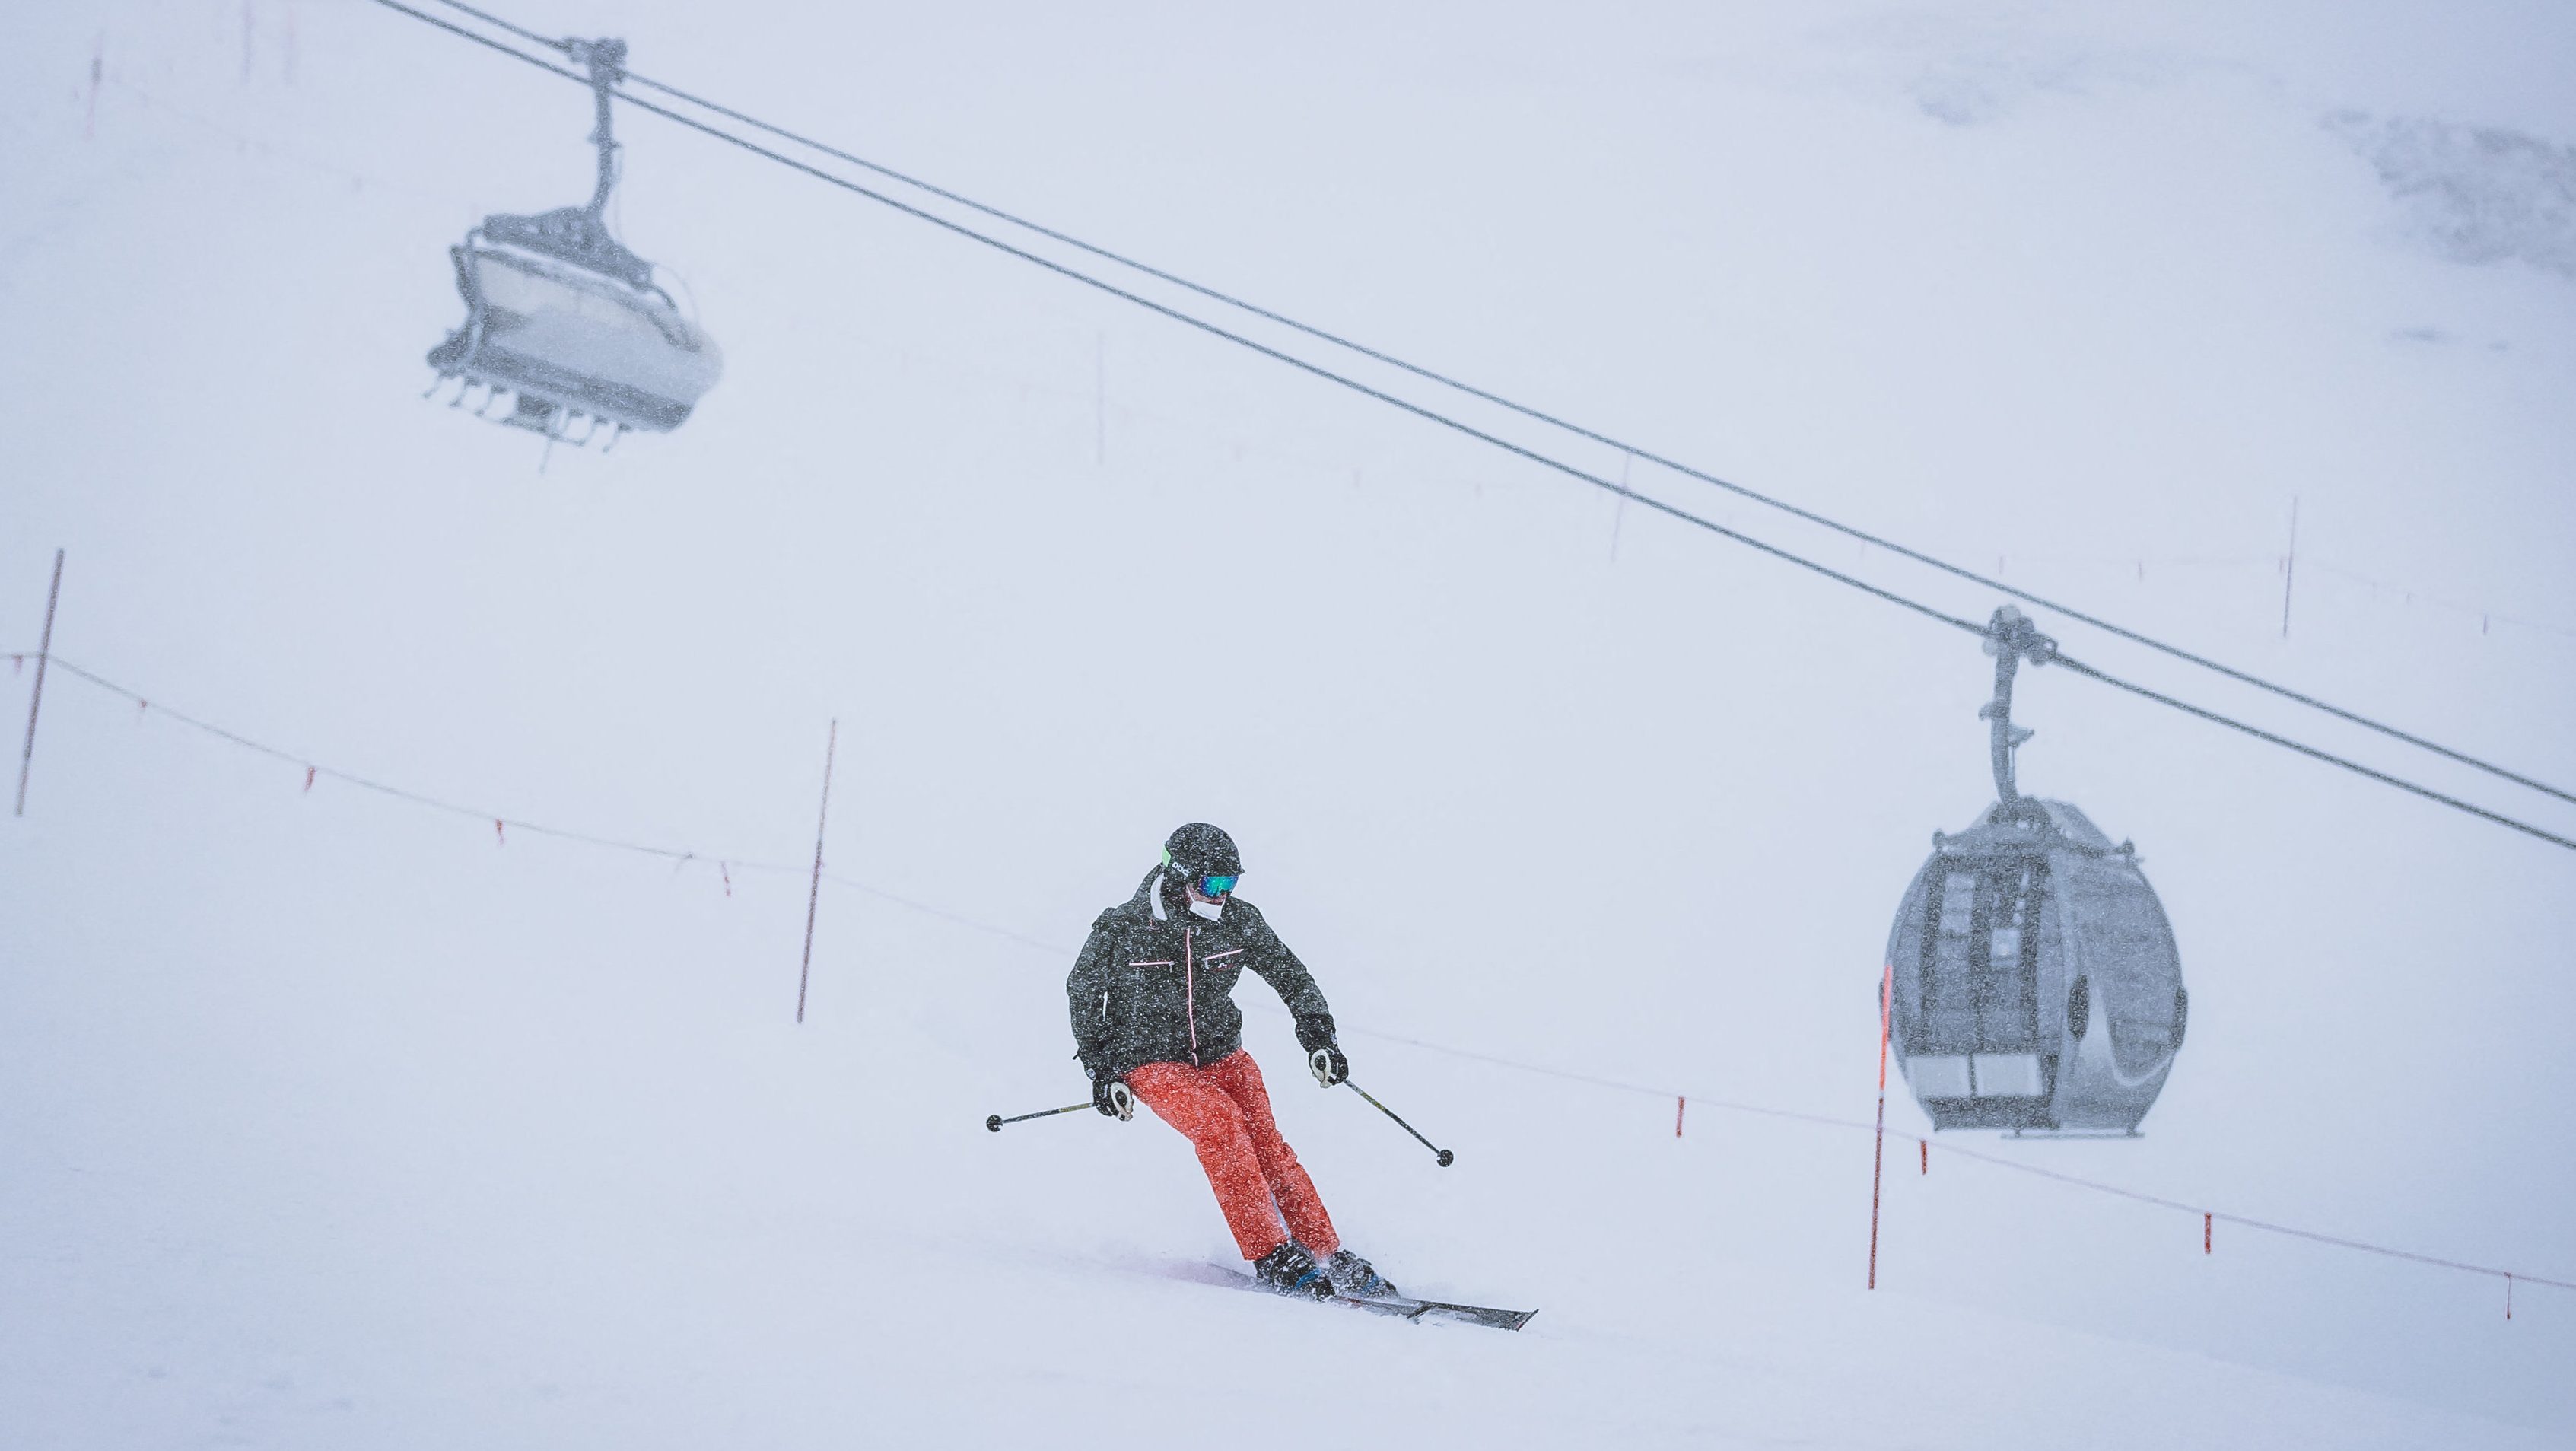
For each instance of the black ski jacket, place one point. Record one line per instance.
(1155, 982)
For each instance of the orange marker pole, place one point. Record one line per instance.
(1878, 1153)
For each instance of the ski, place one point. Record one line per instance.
(1405, 1307)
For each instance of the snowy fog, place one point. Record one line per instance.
(363, 1084)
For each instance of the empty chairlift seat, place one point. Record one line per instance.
(569, 323)
(566, 324)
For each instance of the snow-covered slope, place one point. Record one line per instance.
(329, 1121)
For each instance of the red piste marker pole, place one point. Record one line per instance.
(1878, 1152)
(1680, 1102)
(814, 895)
(36, 698)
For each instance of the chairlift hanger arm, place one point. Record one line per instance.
(605, 60)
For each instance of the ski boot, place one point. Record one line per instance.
(1357, 1278)
(1291, 1270)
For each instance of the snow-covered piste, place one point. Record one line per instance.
(364, 1086)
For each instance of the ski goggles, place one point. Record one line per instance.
(1216, 884)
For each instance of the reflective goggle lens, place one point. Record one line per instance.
(1217, 886)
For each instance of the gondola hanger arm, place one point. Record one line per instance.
(2011, 639)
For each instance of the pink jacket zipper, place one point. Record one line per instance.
(1190, 992)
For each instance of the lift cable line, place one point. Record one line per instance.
(1058, 951)
(2186, 707)
(1455, 425)
(1498, 400)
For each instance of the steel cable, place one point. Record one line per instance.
(1555, 421)
(1431, 415)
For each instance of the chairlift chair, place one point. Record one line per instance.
(567, 321)
(2036, 985)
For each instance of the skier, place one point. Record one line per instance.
(1154, 1021)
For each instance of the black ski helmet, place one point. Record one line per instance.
(1200, 850)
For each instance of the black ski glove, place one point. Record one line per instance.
(1111, 1096)
(1328, 1065)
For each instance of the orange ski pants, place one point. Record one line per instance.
(1225, 1111)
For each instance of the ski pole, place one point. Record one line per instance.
(995, 1121)
(1446, 1158)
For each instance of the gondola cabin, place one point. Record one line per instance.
(2035, 981)
(2032, 982)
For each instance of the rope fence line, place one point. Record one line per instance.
(314, 770)
(2487, 617)
(1928, 1144)
(679, 857)
(1061, 953)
